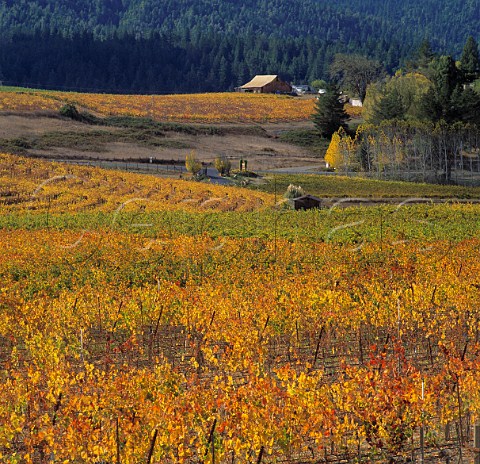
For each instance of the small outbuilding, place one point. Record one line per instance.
(355, 102)
(307, 202)
(303, 89)
(266, 84)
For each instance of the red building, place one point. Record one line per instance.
(266, 84)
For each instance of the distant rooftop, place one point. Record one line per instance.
(260, 81)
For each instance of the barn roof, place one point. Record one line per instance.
(259, 81)
(308, 197)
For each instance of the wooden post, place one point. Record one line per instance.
(213, 451)
(360, 345)
(476, 442)
(260, 455)
(211, 441)
(460, 421)
(152, 446)
(117, 439)
(422, 431)
(318, 346)
(81, 343)
(422, 445)
(412, 451)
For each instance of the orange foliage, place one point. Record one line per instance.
(22, 101)
(353, 111)
(203, 108)
(196, 331)
(35, 185)
(221, 346)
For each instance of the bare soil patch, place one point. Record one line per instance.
(259, 145)
(21, 126)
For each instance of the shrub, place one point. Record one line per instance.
(223, 165)
(294, 191)
(192, 164)
(69, 110)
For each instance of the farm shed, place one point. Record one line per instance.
(266, 84)
(307, 202)
(355, 102)
(303, 89)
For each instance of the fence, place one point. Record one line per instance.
(172, 166)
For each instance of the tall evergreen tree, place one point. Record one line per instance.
(329, 114)
(441, 100)
(470, 60)
(448, 102)
(424, 55)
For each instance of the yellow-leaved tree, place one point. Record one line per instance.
(341, 153)
(333, 155)
(192, 164)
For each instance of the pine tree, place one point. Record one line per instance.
(424, 55)
(470, 60)
(438, 103)
(329, 114)
(448, 102)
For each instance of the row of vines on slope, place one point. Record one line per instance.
(198, 348)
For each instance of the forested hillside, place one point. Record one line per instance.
(208, 45)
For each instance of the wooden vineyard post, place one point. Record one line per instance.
(260, 455)
(422, 445)
(152, 446)
(117, 440)
(213, 452)
(318, 346)
(211, 441)
(360, 345)
(412, 451)
(459, 423)
(476, 442)
(422, 430)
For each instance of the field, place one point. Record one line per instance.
(200, 108)
(204, 108)
(49, 136)
(343, 186)
(165, 321)
(270, 131)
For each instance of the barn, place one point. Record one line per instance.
(307, 202)
(266, 84)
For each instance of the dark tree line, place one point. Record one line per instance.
(167, 63)
(383, 22)
(212, 45)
